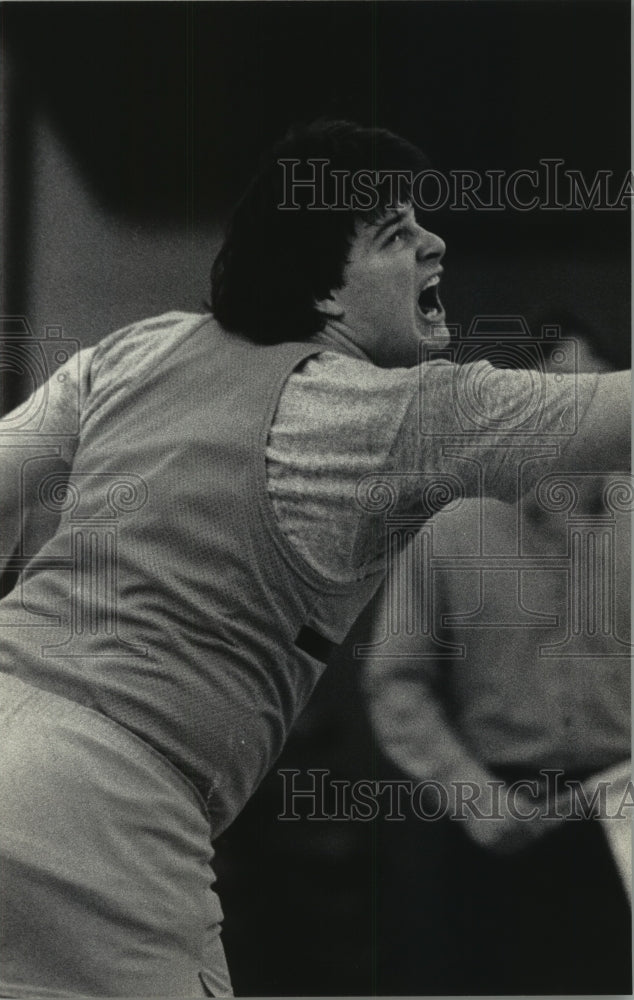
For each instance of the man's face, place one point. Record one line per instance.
(389, 302)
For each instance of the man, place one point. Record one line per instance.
(210, 549)
(520, 712)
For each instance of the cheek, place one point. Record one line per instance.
(396, 280)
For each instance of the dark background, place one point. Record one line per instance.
(166, 106)
(132, 127)
(129, 129)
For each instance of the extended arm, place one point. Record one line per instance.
(343, 426)
(500, 430)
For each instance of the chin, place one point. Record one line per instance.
(435, 335)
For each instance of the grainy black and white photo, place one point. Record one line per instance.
(316, 499)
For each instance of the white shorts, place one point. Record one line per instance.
(105, 877)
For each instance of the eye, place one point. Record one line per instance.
(396, 237)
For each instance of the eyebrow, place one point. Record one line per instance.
(397, 215)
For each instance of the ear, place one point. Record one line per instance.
(329, 307)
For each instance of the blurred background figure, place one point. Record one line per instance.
(509, 697)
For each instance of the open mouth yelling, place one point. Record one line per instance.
(429, 303)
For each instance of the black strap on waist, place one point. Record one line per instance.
(316, 645)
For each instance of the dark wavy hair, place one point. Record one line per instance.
(276, 263)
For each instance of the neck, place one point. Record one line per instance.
(338, 337)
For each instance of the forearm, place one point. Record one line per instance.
(413, 729)
(603, 440)
(403, 686)
(500, 431)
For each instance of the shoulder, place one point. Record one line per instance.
(346, 389)
(339, 370)
(147, 341)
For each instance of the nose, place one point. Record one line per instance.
(430, 246)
